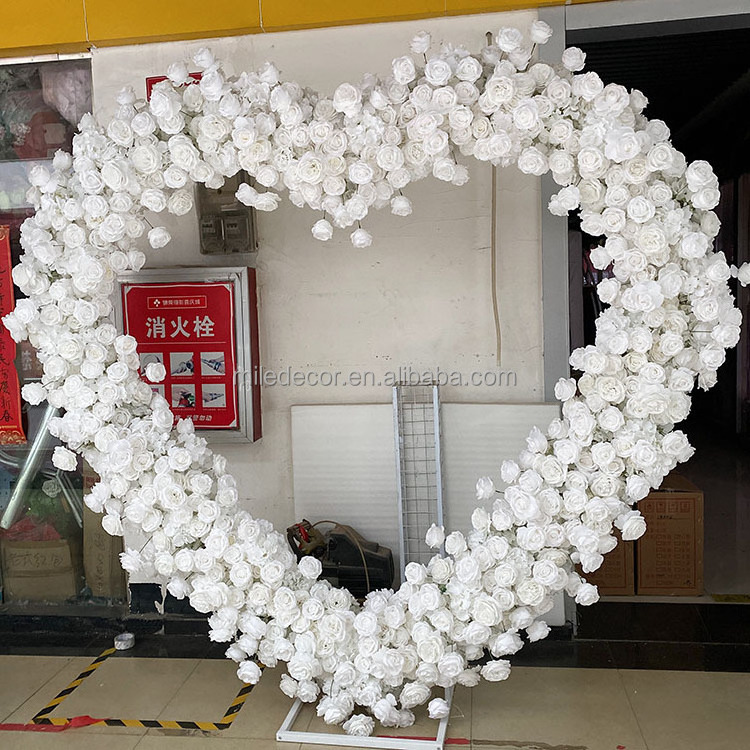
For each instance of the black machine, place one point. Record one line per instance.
(348, 559)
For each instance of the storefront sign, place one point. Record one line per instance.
(190, 329)
(11, 429)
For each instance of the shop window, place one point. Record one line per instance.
(42, 518)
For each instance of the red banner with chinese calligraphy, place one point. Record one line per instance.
(189, 328)
(11, 428)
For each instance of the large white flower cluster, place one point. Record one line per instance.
(669, 321)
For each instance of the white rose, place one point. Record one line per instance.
(414, 694)
(347, 99)
(636, 488)
(438, 708)
(537, 631)
(700, 174)
(310, 567)
(64, 459)
(404, 70)
(359, 725)
(505, 644)
(322, 230)
(435, 536)
(455, 543)
(180, 202)
(249, 672)
(154, 200)
(591, 164)
(420, 43)
(587, 595)
(532, 161)
(508, 39)
(437, 71)
(573, 59)
(540, 32)
(496, 670)
(565, 389)
(631, 524)
(361, 238)
(486, 611)
(145, 158)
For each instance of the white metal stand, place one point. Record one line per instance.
(287, 734)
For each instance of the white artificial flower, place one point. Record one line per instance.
(322, 230)
(345, 156)
(310, 567)
(361, 238)
(573, 59)
(64, 459)
(359, 725)
(435, 536)
(158, 237)
(404, 70)
(51, 488)
(249, 672)
(540, 32)
(438, 708)
(508, 39)
(34, 393)
(494, 671)
(420, 43)
(485, 489)
(743, 274)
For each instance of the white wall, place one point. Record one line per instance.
(419, 296)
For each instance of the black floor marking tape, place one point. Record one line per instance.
(230, 714)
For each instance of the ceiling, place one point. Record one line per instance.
(697, 82)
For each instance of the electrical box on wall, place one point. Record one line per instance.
(227, 227)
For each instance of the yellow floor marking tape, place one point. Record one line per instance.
(208, 726)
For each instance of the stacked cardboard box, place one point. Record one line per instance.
(616, 576)
(39, 571)
(670, 554)
(101, 552)
(668, 559)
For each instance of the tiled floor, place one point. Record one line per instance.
(538, 708)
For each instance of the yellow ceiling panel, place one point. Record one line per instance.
(461, 7)
(144, 20)
(42, 24)
(283, 14)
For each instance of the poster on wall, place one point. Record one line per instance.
(195, 329)
(11, 427)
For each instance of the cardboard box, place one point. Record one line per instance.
(39, 571)
(101, 551)
(670, 554)
(616, 577)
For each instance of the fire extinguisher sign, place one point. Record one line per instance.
(190, 329)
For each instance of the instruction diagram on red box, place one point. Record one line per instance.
(189, 328)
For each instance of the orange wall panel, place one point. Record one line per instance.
(295, 14)
(112, 23)
(465, 7)
(39, 25)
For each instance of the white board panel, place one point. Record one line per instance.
(344, 461)
(476, 439)
(344, 467)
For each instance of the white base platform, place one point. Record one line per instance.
(287, 734)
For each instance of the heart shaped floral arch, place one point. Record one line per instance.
(670, 318)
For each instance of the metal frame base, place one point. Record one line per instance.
(287, 734)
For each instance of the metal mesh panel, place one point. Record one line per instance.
(416, 417)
